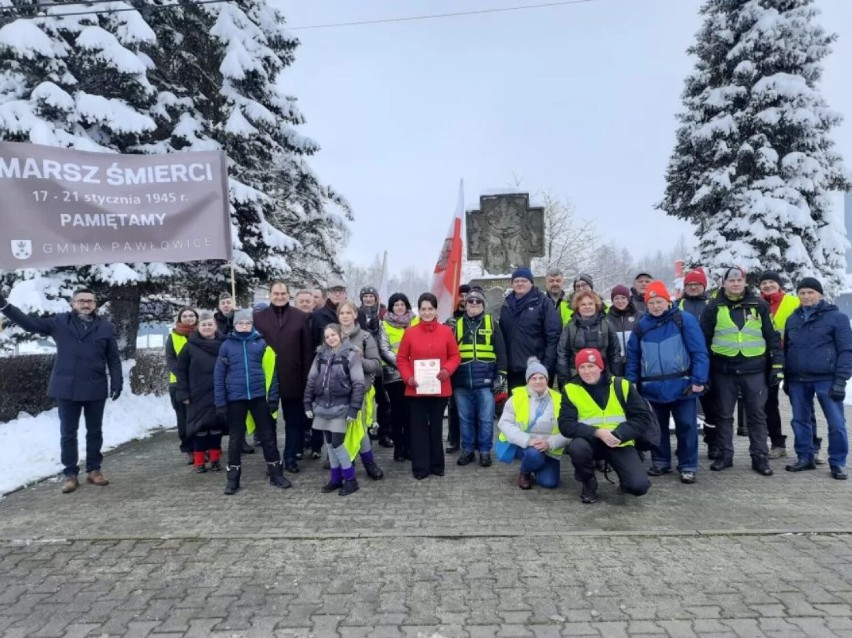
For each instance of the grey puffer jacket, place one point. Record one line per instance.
(335, 386)
(371, 361)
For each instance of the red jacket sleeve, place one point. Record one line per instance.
(403, 357)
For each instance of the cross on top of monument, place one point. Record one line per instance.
(505, 233)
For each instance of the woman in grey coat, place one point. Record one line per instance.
(334, 394)
(365, 344)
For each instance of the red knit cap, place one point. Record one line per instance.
(588, 355)
(657, 289)
(695, 276)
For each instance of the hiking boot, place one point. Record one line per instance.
(70, 485)
(687, 477)
(777, 452)
(839, 473)
(335, 481)
(485, 459)
(96, 478)
(372, 469)
(349, 487)
(525, 480)
(292, 467)
(760, 464)
(589, 493)
(720, 464)
(658, 471)
(466, 458)
(233, 483)
(801, 465)
(276, 476)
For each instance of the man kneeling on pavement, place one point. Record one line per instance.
(603, 415)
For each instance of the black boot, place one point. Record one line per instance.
(233, 483)
(276, 476)
(760, 464)
(372, 470)
(466, 458)
(350, 483)
(589, 493)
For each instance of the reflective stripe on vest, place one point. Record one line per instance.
(395, 334)
(481, 348)
(590, 413)
(788, 305)
(729, 341)
(521, 404)
(268, 365)
(178, 342)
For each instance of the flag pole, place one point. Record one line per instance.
(233, 283)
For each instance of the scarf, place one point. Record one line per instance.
(184, 329)
(399, 321)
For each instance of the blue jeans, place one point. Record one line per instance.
(545, 467)
(69, 423)
(685, 414)
(802, 397)
(475, 407)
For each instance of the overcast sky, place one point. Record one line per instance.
(577, 100)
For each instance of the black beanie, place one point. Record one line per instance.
(809, 282)
(398, 296)
(771, 275)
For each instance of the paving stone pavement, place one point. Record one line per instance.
(161, 552)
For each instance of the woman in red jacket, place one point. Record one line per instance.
(434, 346)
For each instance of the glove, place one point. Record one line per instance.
(443, 374)
(115, 393)
(309, 414)
(838, 391)
(411, 382)
(776, 376)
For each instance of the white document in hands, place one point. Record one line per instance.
(426, 374)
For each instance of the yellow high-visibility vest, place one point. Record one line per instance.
(729, 341)
(178, 342)
(590, 413)
(481, 347)
(521, 404)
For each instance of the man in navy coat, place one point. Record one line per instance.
(818, 361)
(85, 349)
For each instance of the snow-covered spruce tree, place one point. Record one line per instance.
(80, 81)
(754, 160)
(229, 60)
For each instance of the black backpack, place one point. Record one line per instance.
(649, 438)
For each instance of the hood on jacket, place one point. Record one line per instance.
(244, 336)
(208, 345)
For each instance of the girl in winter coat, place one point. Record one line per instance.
(194, 391)
(365, 345)
(397, 320)
(245, 382)
(185, 325)
(588, 328)
(334, 395)
(429, 339)
(622, 317)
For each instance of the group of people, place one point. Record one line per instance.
(598, 381)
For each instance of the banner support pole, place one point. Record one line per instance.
(233, 283)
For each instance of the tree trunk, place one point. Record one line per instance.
(124, 310)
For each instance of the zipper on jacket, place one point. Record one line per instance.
(245, 358)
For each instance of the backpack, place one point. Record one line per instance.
(677, 318)
(604, 330)
(649, 438)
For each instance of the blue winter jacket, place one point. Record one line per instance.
(531, 327)
(818, 348)
(238, 375)
(680, 358)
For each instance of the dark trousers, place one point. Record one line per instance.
(427, 424)
(516, 380)
(400, 417)
(383, 409)
(205, 441)
(69, 423)
(624, 461)
(754, 391)
(773, 419)
(180, 413)
(263, 424)
(453, 424)
(293, 413)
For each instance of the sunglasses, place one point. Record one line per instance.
(474, 302)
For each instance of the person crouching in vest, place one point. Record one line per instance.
(599, 427)
(186, 325)
(745, 359)
(530, 423)
(667, 360)
(240, 388)
(482, 368)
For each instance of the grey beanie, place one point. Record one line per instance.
(205, 315)
(534, 366)
(244, 314)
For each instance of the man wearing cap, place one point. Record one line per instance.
(602, 422)
(327, 313)
(745, 359)
(224, 316)
(818, 361)
(638, 290)
(453, 421)
(781, 306)
(482, 369)
(531, 327)
(667, 360)
(555, 280)
(287, 331)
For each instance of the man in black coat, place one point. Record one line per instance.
(327, 313)
(85, 349)
(531, 327)
(287, 331)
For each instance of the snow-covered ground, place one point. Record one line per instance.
(29, 446)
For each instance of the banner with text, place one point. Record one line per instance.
(62, 207)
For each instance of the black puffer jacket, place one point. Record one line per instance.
(194, 372)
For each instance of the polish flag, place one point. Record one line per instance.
(445, 281)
